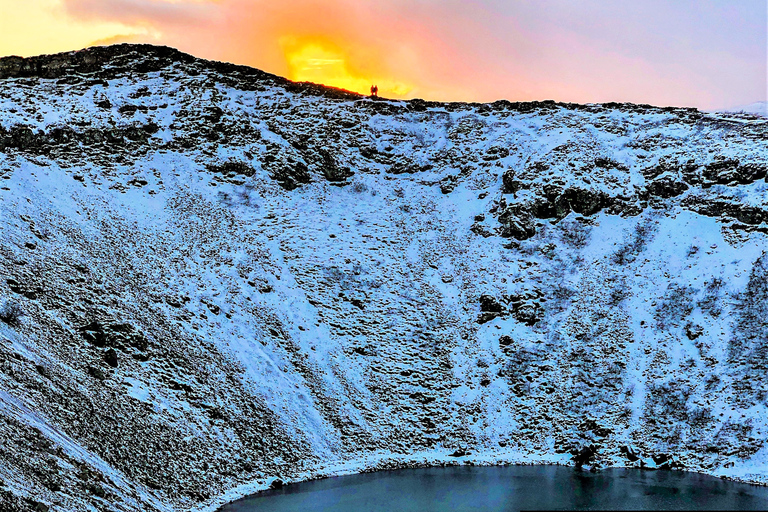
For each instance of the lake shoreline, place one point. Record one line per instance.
(429, 459)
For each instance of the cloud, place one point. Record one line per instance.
(163, 13)
(683, 52)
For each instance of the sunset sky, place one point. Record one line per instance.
(703, 53)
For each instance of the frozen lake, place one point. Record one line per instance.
(508, 488)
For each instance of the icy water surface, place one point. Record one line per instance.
(509, 488)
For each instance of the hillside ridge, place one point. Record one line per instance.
(212, 278)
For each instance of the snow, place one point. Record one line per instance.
(322, 330)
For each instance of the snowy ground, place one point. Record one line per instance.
(228, 278)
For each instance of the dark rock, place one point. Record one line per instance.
(460, 452)
(128, 109)
(173, 302)
(662, 460)
(490, 304)
(602, 431)
(505, 341)
(495, 153)
(448, 185)
(528, 313)
(36, 506)
(517, 224)
(666, 187)
(749, 173)
(584, 201)
(94, 334)
(232, 167)
(331, 169)
(291, 175)
(693, 331)
(721, 171)
(144, 58)
(11, 313)
(584, 456)
(750, 214)
(629, 453)
(510, 182)
(14, 285)
(607, 163)
(96, 373)
(110, 357)
(543, 209)
(486, 317)
(276, 484)
(96, 489)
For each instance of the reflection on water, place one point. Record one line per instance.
(509, 488)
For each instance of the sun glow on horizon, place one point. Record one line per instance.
(644, 52)
(319, 60)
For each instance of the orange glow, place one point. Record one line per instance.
(318, 60)
(474, 50)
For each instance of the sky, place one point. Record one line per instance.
(703, 53)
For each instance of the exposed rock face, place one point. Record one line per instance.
(204, 305)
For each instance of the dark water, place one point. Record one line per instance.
(509, 488)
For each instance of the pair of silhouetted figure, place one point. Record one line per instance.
(374, 90)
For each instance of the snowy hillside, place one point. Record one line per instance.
(758, 108)
(228, 278)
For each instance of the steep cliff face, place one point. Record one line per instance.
(214, 277)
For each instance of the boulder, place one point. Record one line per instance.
(584, 201)
(693, 331)
(486, 316)
(331, 169)
(722, 171)
(528, 313)
(584, 456)
(490, 304)
(291, 175)
(629, 453)
(232, 167)
(510, 182)
(461, 451)
(110, 357)
(517, 224)
(666, 187)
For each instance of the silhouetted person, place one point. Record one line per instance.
(374, 90)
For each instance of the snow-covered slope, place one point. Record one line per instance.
(758, 108)
(229, 278)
